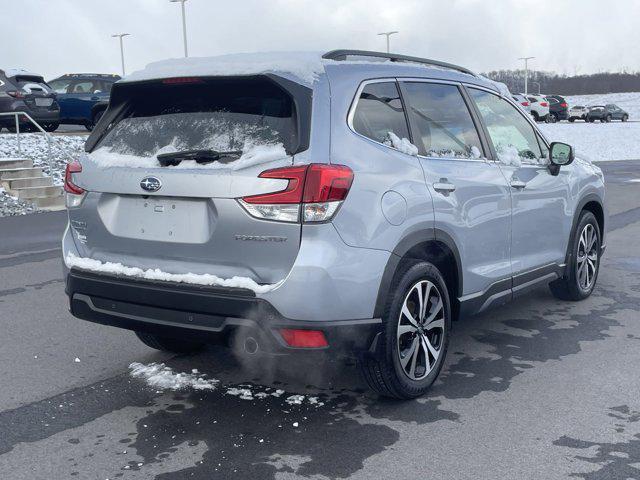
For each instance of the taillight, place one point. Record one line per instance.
(74, 193)
(317, 189)
(525, 104)
(544, 104)
(16, 93)
(564, 105)
(304, 338)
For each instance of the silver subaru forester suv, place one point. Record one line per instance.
(352, 201)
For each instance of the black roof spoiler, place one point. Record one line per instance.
(339, 55)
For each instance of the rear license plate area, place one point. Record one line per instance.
(44, 102)
(161, 219)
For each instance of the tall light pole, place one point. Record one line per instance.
(184, 26)
(388, 34)
(120, 35)
(526, 72)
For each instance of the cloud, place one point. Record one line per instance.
(54, 37)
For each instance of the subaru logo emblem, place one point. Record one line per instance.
(150, 184)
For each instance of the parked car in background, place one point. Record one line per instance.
(578, 112)
(412, 196)
(607, 113)
(558, 108)
(83, 97)
(522, 101)
(22, 91)
(539, 107)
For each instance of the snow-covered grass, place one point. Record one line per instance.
(629, 102)
(161, 377)
(35, 147)
(598, 142)
(93, 265)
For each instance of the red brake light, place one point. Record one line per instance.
(525, 104)
(564, 105)
(327, 183)
(304, 338)
(544, 104)
(307, 184)
(181, 80)
(69, 186)
(16, 93)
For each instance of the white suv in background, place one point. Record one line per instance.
(538, 107)
(578, 112)
(522, 102)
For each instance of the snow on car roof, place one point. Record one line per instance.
(14, 72)
(305, 66)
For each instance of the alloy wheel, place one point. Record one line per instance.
(587, 257)
(421, 330)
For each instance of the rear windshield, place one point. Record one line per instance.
(31, 84)
(217, 114)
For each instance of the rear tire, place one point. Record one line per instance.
(50, 127)
(584, 261)
(167, 344)
(572, 119)
(417, 320)
(608, 119)
(625, 118)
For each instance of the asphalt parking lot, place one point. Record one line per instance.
(538, 389)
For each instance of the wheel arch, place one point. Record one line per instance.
(591, 203)
(434, 246)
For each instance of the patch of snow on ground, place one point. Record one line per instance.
(158, 375)
(252, 155)
(628, 101)
(597, 142)
(93, 265)
(35, 147)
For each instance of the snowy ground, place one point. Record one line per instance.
(36, 147)
(629, 102)
(598, 142)
(601, 142)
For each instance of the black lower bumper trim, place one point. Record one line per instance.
(199, 313)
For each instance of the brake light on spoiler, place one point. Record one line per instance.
(313, 192)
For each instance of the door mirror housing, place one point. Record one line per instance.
(560, 154)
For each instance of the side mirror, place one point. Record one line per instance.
(560, 154)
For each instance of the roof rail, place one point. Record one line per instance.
(343, 54)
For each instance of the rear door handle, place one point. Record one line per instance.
(444, 186)
(518, 184)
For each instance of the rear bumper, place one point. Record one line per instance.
(201, 313)
(51, 115)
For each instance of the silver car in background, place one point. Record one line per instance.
(354, 201)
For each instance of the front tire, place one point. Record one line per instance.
(415, 335)
(167, 344)
(584, 261)
(625, 118)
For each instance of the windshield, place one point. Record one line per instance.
(217, 115)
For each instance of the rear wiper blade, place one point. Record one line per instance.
(199, 156)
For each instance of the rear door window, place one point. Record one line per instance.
(379, 113)
(442, 123)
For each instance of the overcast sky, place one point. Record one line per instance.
(52, 37)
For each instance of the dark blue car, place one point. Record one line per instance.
(83, 97)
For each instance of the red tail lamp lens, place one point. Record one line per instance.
(304, 338)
